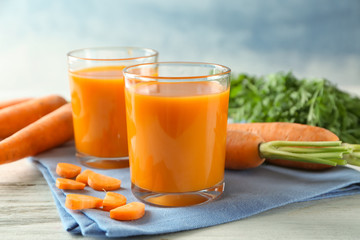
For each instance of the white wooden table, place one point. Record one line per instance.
(28, 211)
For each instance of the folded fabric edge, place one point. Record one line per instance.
(68, 222)
(74, 228)
(348, 190)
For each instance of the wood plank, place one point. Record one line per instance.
(28, 211)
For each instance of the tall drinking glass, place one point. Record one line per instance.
(98, 103)
(176, 122)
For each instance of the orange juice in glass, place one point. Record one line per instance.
(176, 125)
(98, 102)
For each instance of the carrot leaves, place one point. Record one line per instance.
(282, 97)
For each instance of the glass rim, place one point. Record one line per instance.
(139, 76)
(72, 52)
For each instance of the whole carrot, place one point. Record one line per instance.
(246, 149)
(49, 131)
(283, 131)
(10, 102)
(18, 116)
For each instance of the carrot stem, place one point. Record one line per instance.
(306, 143)
(275, 154)
(355, 147)
(353, 158)
(324, 152)
(315, 150)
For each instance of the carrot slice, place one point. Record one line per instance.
(83, 176)
(113, 200)
(130, 211)
(102, 182)
(67, 170)
(80, 201)
(64, 183)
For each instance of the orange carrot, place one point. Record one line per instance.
(101, 182)
(18, 116)
(80, 201)
(248, 150)
(64, 183)
(10, 102)
(283, 131)
(242, 150)
(83, 176)
(67, 170)
(51, 130)
(113, 200)
(130, 211)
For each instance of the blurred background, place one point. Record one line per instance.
(318, 38)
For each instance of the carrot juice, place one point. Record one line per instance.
(98, 102)
(176, 135)
(97, 97)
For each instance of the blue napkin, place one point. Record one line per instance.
(246, 193)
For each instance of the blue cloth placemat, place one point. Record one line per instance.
(246, 193)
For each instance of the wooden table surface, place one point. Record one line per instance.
(28, 211)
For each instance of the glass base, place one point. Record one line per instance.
(178, 199)
(103, 163)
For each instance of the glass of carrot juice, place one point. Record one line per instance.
(176, 124)
(98, 103)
